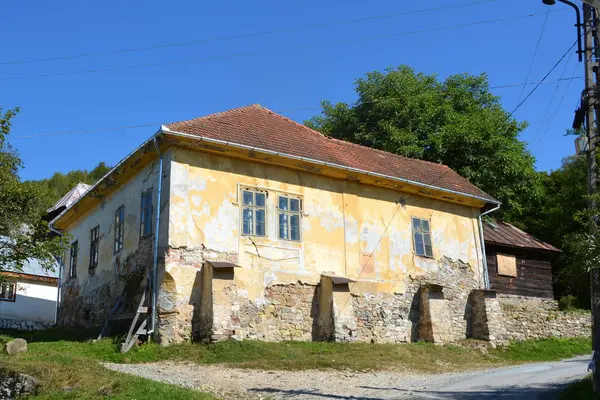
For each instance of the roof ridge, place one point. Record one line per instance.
(218, 114)
(346, 142)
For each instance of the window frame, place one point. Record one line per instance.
(253, 208)
(119, 229)
(146, 210)
(289, 213)
(94, 248)
(424, 234)
(14, 291)
(73, 254)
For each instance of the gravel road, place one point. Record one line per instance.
(526, 382)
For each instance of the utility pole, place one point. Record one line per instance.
(592, 108)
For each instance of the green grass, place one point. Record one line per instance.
(544, 349)
(68, 358)
(581, 390)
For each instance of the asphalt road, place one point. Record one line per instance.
(525, 382)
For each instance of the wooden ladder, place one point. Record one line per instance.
(136, 330)
(139, 323)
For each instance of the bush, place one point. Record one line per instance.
(567, 303)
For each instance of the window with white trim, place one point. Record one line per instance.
(94, 247)
(73, 260)
(146, 214)
(254, 213)
(119, 228)
(289, 217)
(8, 291)
(422, 237)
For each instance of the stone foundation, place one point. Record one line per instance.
(89, 305)
(538, 318)
(7, 323)
(486, 318)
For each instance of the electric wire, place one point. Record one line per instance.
(272, 51)
(245, 35)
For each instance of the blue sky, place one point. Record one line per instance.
(287, 71)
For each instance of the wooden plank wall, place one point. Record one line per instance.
(534, 273)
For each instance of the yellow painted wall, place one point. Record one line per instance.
(348, 228)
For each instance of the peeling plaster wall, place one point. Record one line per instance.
(343, 228)
(86, 299)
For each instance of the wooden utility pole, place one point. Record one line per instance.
(592, 108)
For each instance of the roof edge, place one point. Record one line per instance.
(164, 129)
(95, 185)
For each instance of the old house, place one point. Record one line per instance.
(518, 263)
(256, 227)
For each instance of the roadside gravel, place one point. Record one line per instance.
(531, 381)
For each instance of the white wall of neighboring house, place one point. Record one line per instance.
(35, 301)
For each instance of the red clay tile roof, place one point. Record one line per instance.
(505, 234)
(259, 127)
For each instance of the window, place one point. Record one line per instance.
(94, 247)
(8, 291)
(507, 265)
(254, 213)
(119, 228)
(146, 214)
(289, 218)
(422, 237)
(73, 260)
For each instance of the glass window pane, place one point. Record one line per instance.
(428, 251)
(419, 249)
(283, 226)
(427, 239)
(260, 199)
(425, 225)
(295, 227)
(247, 198)
(283, 203)
(416, 223)
(295, 205)
(247, 225)
(260, 223)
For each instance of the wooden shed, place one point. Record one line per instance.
(518, 263)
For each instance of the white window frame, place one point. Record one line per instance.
(73, 254)
(5, 291)
(119, 229)
(425, 235)
(288, 213)
(253, 208)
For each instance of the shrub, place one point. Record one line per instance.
(567, 303)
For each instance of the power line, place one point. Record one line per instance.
(543, 79)
(289, 110)
(245, 35)
(273, 51)
(537, 46)
(558, 107)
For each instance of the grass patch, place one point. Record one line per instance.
(62, 358)
(581, 390)
(544, 349)
(69, 369)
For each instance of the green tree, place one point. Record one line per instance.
(457, 122)
(559, 218)
(23, 233)
(59, 184)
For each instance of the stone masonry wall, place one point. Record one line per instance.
(7, 323)
(537, 318)
(394, 318)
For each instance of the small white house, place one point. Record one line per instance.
(28, 298)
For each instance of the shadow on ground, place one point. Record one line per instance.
(521, 393)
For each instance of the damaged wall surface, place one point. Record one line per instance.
(348, 229)
(87, 297)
